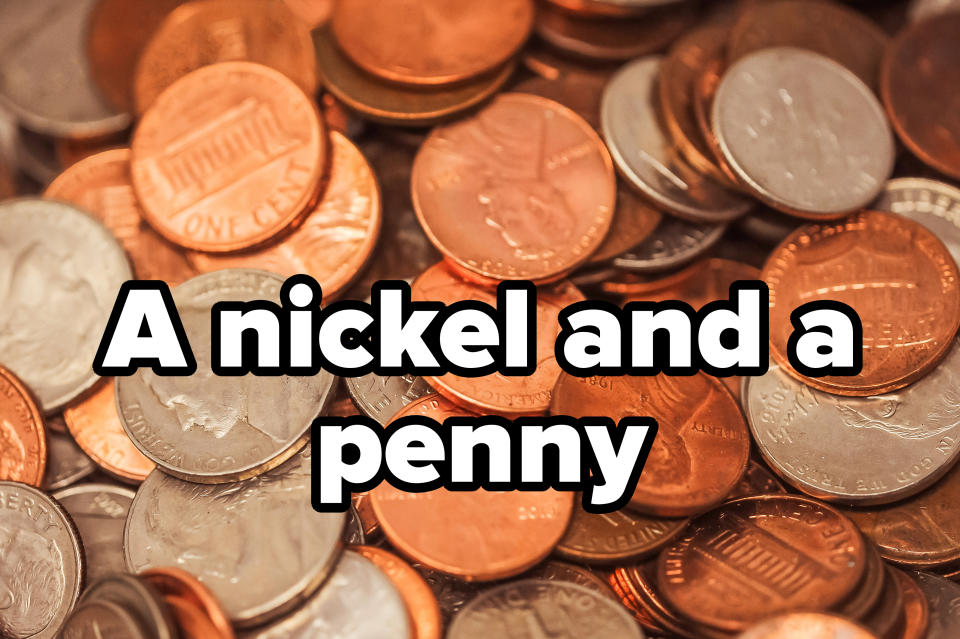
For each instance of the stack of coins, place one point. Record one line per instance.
(620, 150)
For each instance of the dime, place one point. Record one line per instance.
(814, 558)
(545, 608)
(66, 463)
(807, 625)
(173, 583)
(137, 598)
(614, 537)
(23, 454)
(532, 184)
(99, 512)
(419, 599)
(337, 237)
(382, 396)
(95, 619)
(916, 608)
(893, 272)
(432, 41)
(702, 445)
(358, 600)
(211, 31)
(922, 69)
(228, 156)
(212, 429)
(226, 534)
(934, 204)
(803, 133)
(943, 597)
(41, 563)
(672, 244)
(633, 222)
(49, 341)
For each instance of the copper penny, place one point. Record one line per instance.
(633, 222)
(920, 86)
(893, 272)
(497, 394)
(313, 12)
(416, 593)
(211, 31)
(705, 281)
(704, 91)
(191, 622)
(916, 609)
(476, 535)
(760, 556)
(579, 91)
(886, 617)
(95, 425)
(432, 41)
(176, 583)
(227, 157)
(807, 625)
(530, 181)
(335, 240)
(642, 582)
(702, 446)
(23, 439)
(102, 185)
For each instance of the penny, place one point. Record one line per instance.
(419, 599)
(813, 559)
(228, 156)
(944, 598)
(173, 582)
(45, 79)
(101, 184)
(358, 599)
(431, 42)
(381, 397)
(94, 424)
(225, 534)
(611, 8)
(23, 454)
(698, 284)
(41, 563)
(673, 243)
(633, 222)
(137, 598)
(916, 609)
(99, 512)
(923, 9)
(704, 91)
(792, 147)
(757, 481)
(313, 12)
(212, 429)
(702, 445)
(69, 151)
(888, 615)
(897, 276)
(934, 204)
(496, 393)
(614, 537)
(578, 91)
(191, 621)
(807, 625)
(544, 608)
(645, 154)
(571, 573)
(869, 593)
(95, 619)
(336, 238)
(66, 463)
(922, 68)
(532, 184)
(207, 32)
(49, 341)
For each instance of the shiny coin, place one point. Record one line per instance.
(944, 599)
(66, 463)
(934, 204)
(672, 244)
(99, 512)
(807, 625)
(803, 133)
(175, 583)
(23, 454)
(226, 534)
(617, 536)
(137, 598)
(49, 342)
(416, 593)
(96, 619)
(382, 396)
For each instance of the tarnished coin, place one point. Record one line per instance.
(803, 133)
(173, 583)
(97, 619)
(614, 537)
(419, 599)
(381, 396)
(226, 534)
(213, 429)
(544, 608)
(944, 599)
(137, 598)
(807, 625)
(41, 563)
(99, 512)
(645, 154)
(357, 601)
(66, 463)
(672, 244)
(23, 454)
(934, 204)
(50, 340)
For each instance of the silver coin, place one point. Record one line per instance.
(806, 135)
(943, 596)
(853, 450)
(923, 9)
(45, 79)
(353, 529)
(543, 608)
(41, 563)
(380, 397)
(672, 244)
(100, 620)
(646, 156)
(212, 429)
(358, 601)
(562, 571)
(66, 463)
(258, 545)
(137, 598)
(99, 512)
(934, 204)
(50, 340)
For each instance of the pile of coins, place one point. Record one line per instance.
(619, 150)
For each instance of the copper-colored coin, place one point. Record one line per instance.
(476, 535)
(886, 617)
(211, 31)
(95, 426)
(335, 240)
(641, 580)
(760, 556)
(7, 186)
(893, 272)
(191, 622)
(174, 582)
(916, 609)
(758, 480)
(229, 156)
(920, 86)
(497, 394)
(633, 222)
(416, 593)
(808, 625)
(616, 536)
(702, 446)
(102, 185)
(23, 439)
(525, 189)
(313, 12)
(705, 281)
(70, 151)
(600, 9)
(431, 41)
(704, 90)
(580, 92)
